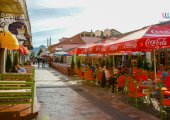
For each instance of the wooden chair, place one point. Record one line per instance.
(99, 75)
(152, 76)
(121, 82)
(133, 92)
(145, 72)
(80, 75)
(88, 76)
(134, 73)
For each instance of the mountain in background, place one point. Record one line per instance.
(36, 49)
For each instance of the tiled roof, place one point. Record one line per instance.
(55, 45)
(73, 40)
(125, 34)
(89, 40)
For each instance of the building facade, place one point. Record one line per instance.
(14, 18)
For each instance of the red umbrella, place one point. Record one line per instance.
(83, 49)
(101, 48)
(145, 39)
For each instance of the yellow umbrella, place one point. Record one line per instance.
(8, 40)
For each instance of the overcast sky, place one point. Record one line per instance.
(65, 18)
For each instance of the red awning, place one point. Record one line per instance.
(26, 51)
(145, 39)
(23, 50)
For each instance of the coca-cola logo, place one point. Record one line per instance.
(131, 44)
(90, 49)
(156, 42)
(103, 48)
(113, 47)
(97, 49)
(85, 50)
(160, 31)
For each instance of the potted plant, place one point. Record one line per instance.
(15, 62)
(78, 62)
(129, 64)
(129, 61)
(71, 69)
(8, 62)
(103, 61)
(139, 61)
(145, 64)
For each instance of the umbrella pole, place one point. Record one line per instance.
(113, 62)
(154, 55)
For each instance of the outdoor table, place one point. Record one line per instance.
(150, 89)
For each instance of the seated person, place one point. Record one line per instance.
(109, 77)
(20, 69)
(119, 73)
(115, 77)
(107, 72)
(124, 69)
(164, 74)
(91, 67)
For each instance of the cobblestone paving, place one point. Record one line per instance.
(62, 99)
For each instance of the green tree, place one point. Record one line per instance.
(15, 62)
(72, 62)
(103, 61)
(15, 59)
(108, 61)
(32, 54)
(61, 59)
(145, 64)
(8, 62)
(39, 52)
(78, 61)
(129, 61)
(139, 61)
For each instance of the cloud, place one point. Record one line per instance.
(46, 13)
(41, 37)
(75, 16)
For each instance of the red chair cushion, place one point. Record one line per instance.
(166, 102)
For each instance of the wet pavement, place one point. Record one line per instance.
(64, 98)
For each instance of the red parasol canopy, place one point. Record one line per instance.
(82, 49)
(100, 48)
(145, 39)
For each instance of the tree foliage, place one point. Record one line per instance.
(129, 61)
(8, 62)
(78, 61)
(139, 61)
(72, 62)
(15, 62)
(39, 52)
(146, 65)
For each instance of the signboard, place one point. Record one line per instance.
(17, 28)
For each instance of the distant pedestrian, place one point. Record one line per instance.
(38, 61)
(43, 63)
